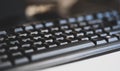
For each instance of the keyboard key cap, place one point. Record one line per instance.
(80, 18)
(77, 29)
(116, 27)
(39, 26)
(3, 56)
(111, 38)
(114, 32)
(50, 45)
(107, 29)
(63, 21)
(27, 50)
(20, 60)
(44, 30)
(92, 36)
(72, 40)
(3, 44)
(19, 29)
(102, 34)
(82, 24)
(99, 30)
(83, 38)
(54, 29)
(88, 32)
(89, 17)
(4, 65)
(71, 20)
(3, 33)
(99, 41)
(27, 28)
(49, 24)
(62, 42)
(40, 47)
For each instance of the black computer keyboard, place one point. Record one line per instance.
(39, 41)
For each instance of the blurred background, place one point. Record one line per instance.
(16, 11)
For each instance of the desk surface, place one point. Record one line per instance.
(109, 62)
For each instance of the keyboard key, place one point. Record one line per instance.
(48, 40)
(77, 29)
(111, 38)
(99, 41)
(107, 14)
(20, 60)
(83, 38)
(5, 64)
(88, 32)
(63, 21)
(47, 35)
(69, 35)
(93, 22)
(37, 43)
(28, 50)
(95, 26)
(71, 20)
(87, 28)
(80, 18)
(3, 44)
(3, 33)
(116, 27)
(62, 42)
(54, 29)
(82, 24)
(38, 26)
(88, 17)
(50, 45)
(49, 24)
(25, 45)
(40, 47)
(114, 32)
(102, 34)
(77, 34)
(3, 56)
(19, 29)
(59, 38)
(17, 53)
(99, 30)
(13, 48)
(34, 33)
(72, 40)
(58, 33)
(92, 36)
(100, 15)
(107, 29)
(72, 26)
(64, 27)
(44, 30)
(27, 28)
(68, 31)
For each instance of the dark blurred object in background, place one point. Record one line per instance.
(16, 11)
(12, 11)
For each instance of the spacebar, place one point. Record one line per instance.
(62, 49)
